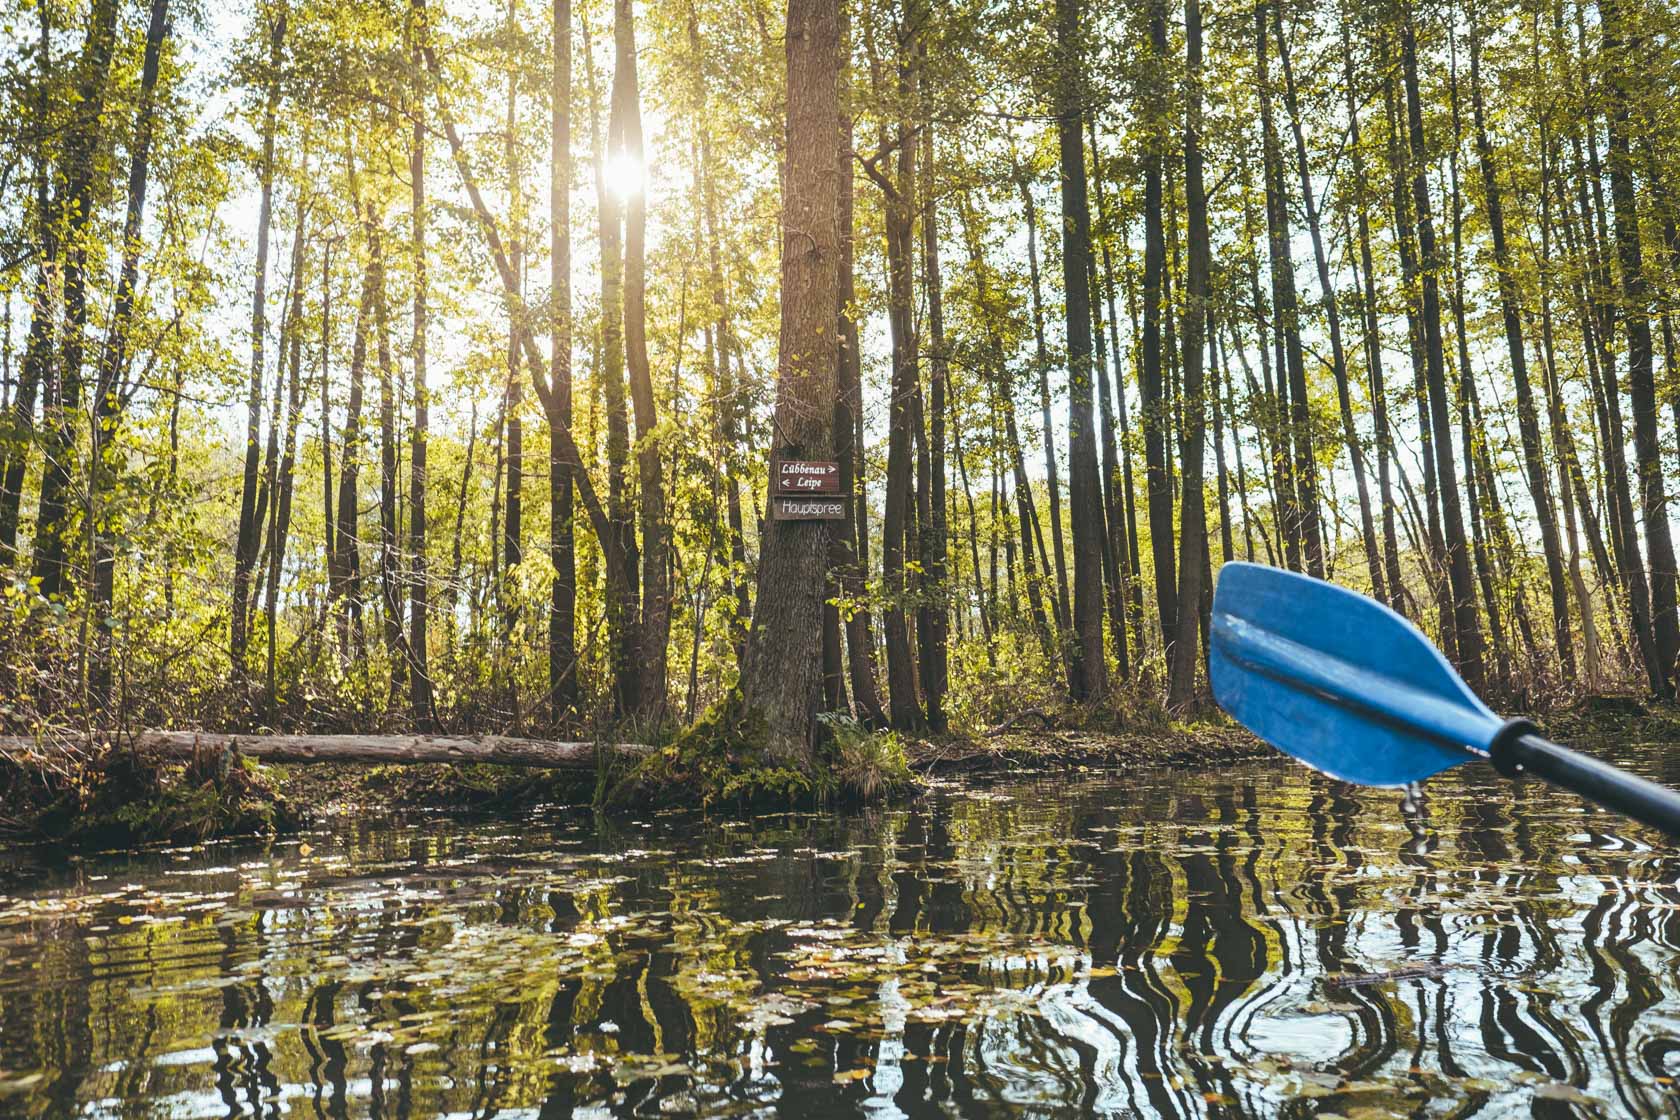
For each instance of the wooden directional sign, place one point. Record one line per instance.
(784, 508)
(807, 476)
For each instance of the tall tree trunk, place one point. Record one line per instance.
(563, 685)
(280, 522)
(108, 396)
(1192, 562)
(935, 551)
(420, 673)
(328, 524)
(390, 547)
(1393, 585)
(784, 671)
(1466, 625)
(899, 192)
(1327, 290)
(245, 550)
(1117, 482)
(1088, 669)
(1620, 49)
(1528, 422)
(344, 583)
(1286, 320)
(38, 346)
(848, 405)
(1041, 359)
(625, 145)
(53, 530)
(619, 544)
(1158, 486)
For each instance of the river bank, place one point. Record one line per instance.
(118, 798)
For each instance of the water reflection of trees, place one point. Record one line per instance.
(1270, 945)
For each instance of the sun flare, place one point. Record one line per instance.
(625, 176)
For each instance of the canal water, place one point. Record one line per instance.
(1257, 941)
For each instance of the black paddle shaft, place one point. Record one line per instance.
(1519, 749)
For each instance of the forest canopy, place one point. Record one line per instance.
(412, 364)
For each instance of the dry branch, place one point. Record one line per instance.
(496, 749)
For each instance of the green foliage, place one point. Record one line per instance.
(722, 760)
(862, 765)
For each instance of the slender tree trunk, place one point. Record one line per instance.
(1087, 669)
(1158, 485)
(1620, 47)
(344, 584)
(1286, 320)
(38, 346)
(563, 685)
(390, 555)
(1327, 290)
(1528, 422)
(619, 544)
(245, 551)
(1116, 482)
(1393, 584)
(848, 405)
(784, 671)
(1192, 562)
(935, 545)
(328, 524)
(420, 673)
(1466, 626)
(280, 523)
(108, 395)
(899, 200)
(625, 144)
(1041, 357)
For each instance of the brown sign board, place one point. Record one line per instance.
(807, 476)
(783, 508)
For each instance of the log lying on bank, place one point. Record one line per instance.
(501, 750)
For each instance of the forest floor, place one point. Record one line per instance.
(184, 802)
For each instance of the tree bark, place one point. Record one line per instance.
(899, 200)
(848, 571)
(1181, 678)
(108, 395)
(1041, 356)
(245, 550)
(1528, 422)
(1620, 47)
(1286, 325)
(1327, 290)
(563, 685)
(420, 674)
(1158, 486)
(1466, 625)
(38, 346)
(1088, 668)
(935, 552)
(783, 677)
(625, 144)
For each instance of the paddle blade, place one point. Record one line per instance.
(1338, 680)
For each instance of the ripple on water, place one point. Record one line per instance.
(1253, 942)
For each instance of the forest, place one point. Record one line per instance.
(408, 366)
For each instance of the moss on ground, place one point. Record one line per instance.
(722, 761)
(117, 798)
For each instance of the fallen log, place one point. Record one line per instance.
(499, 750)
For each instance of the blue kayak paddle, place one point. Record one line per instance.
(1350, 688)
